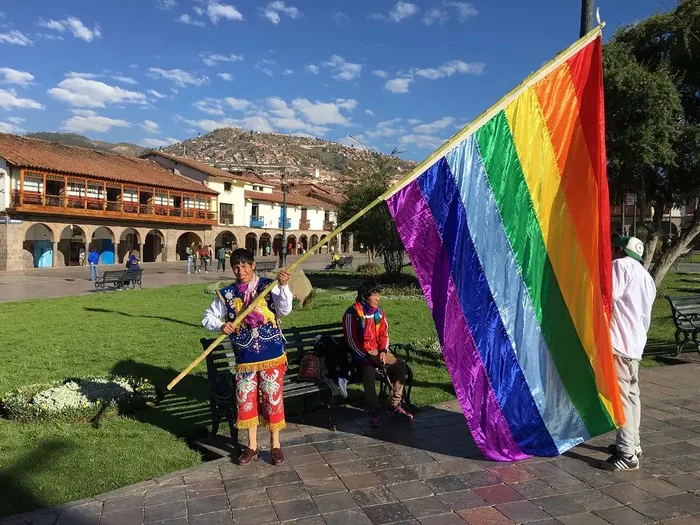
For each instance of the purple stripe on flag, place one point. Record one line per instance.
(420, 236)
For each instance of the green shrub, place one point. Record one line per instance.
(370, 269)
(310, 300)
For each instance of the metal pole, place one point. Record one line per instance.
(586, 17)
(283, 251)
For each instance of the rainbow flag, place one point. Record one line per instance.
(508, 229)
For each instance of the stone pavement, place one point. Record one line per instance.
(427, 472)
(40, 283)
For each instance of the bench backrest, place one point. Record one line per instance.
(133, 274)
(684, 304)
(113, 274)
(345, 260)
(265, 266)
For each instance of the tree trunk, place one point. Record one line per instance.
(654, 230)
(679, 248)
(393, 261)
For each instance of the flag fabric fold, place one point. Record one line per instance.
(508, 231)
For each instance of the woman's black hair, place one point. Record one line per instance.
(241, 256)
(366, 289)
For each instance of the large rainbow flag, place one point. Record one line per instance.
(507, 227)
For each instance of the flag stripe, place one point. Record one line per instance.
(580, 187)
(483, 318)
(512, 298)
(419, 232)
(522, 227)
(541, 174)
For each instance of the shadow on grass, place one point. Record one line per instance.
(126, 314)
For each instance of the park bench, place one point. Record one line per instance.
(263, 267)
(221, 374)
(685, 311)
(342, 263)
(120, 279)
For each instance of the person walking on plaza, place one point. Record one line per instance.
(259, 349)
(191, 264)
(221, 259)
(204, 258)
(634, 292)
(94, 261)
(367, 333)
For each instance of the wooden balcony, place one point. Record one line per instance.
(328, 226)
(304, 224)
(32, 202)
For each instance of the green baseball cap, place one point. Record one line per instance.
(632, 246)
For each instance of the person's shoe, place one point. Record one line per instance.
(399, 412)
(612, 449)
(375, 418)
(248, 456)
(618, 462)
(277, 456)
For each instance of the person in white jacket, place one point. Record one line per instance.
(259, 349)
(634, 292)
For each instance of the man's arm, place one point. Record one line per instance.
(383, 335)
(212, 317)
(620, 280)
(351, 331)
(283, 298)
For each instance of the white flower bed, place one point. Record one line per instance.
(82, 393)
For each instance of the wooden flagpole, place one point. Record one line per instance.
(409, 177)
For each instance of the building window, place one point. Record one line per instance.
(226, 213)
(227, 187)
(327, 216)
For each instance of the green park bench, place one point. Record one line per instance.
(685, 311)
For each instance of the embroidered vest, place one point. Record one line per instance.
(256, 348)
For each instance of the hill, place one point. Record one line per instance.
(268, 154)
(73, 139)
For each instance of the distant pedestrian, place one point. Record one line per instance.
(81, 257)
(94, 261)
(221, 259)
(191, 264)
(204, 258)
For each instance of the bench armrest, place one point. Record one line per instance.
(395, 348)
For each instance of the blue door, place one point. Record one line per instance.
(43, 254)
(107, 252)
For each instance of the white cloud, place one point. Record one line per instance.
(125, 80)
(434, 127)
(179, 77)
(76, 74)
(280, 108)
(340, 17)
(10, 100)
(214, 59)
(288, 72)
(210, 106)
(15, 120)
(386, 129)
(398, 85)
(266, 70)
(49, 36)
(217, 11)
(12, 76)
(435, 16)
(422, 141)
(166, 4)
(275, 9)
(91, 121)
(323, 113)
(414, 121)
(450, 68)
(156, 93)
(465, 10)
(84, 92)
(150, 127)
(187, 19)
(255, 123)
(370, 113)
(403, 10)
(157, 143)
(6, 127)
(380, 73)
(312, 68)
(16, 37)
(343, 70)
(75, 26)
(226, 76)
(238, 104)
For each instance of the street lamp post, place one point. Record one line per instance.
(283, 250)
(586, 17)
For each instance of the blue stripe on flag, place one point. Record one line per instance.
(484, 320)
(512, 299)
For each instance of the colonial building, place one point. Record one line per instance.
(250, 208)
(57, 201)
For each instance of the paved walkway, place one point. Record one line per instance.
(427, 472)
(40, 283)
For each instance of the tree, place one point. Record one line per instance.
(652, 91)
(376, 229)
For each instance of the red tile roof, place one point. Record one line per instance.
(293, 199)
(319, 192)
(203, 167)
(38, 154)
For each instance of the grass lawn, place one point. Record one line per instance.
(155, 333)
(152, 333)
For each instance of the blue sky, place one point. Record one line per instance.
(405, 74)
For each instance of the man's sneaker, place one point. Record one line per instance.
(400, 412)
(375, 418)
(612, 449)
(619, 462)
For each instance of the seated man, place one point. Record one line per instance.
(366, 332)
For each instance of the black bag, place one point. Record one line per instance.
(339, 361)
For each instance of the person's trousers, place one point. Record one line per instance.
(627, 440)
(221, 265)
(265, 386)
(94, 273)
(396, 369)
(190, 264)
